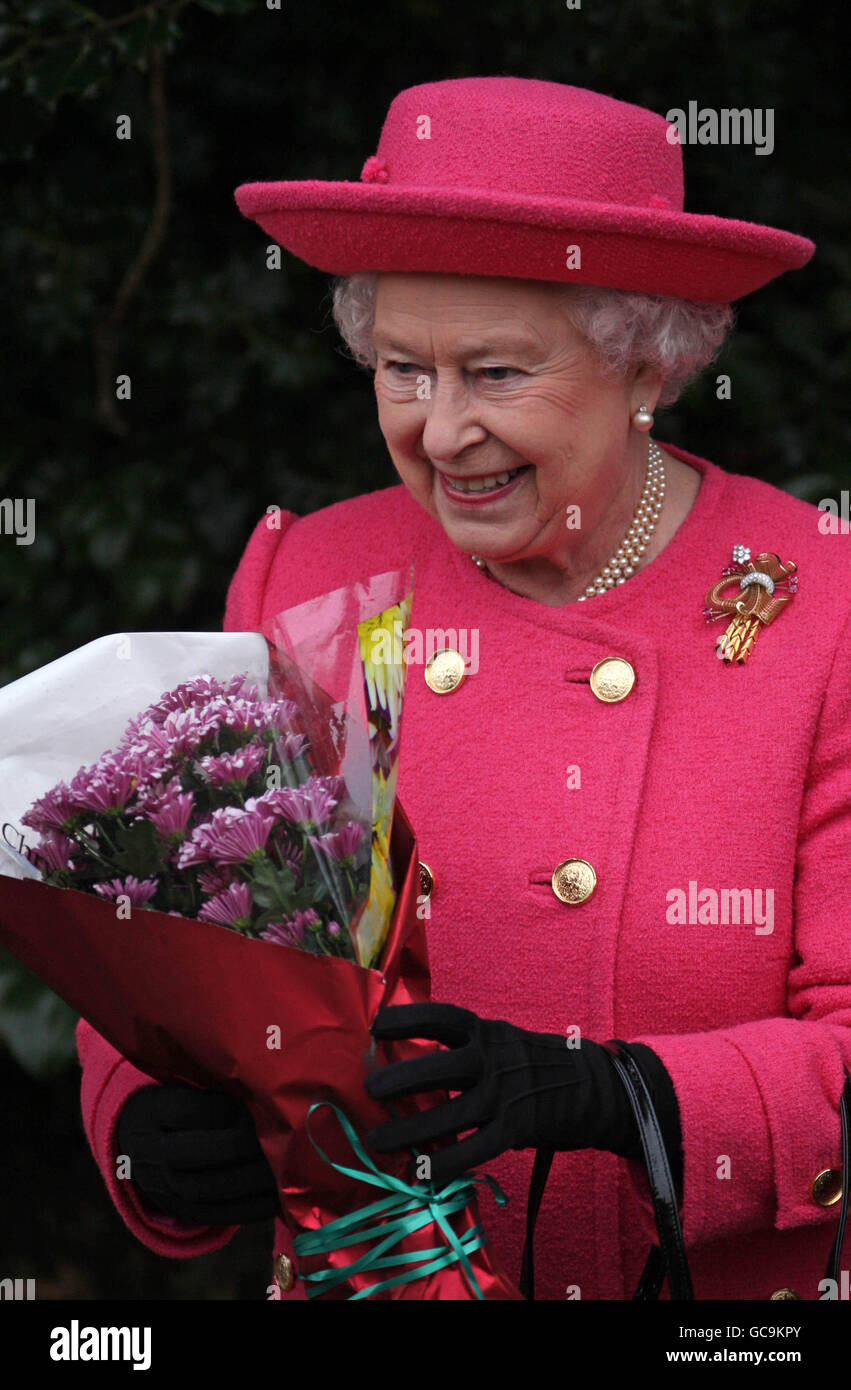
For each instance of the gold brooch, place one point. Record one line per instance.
(765, 586)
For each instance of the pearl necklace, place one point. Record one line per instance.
(634, 544)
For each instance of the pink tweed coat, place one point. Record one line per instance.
(735, 778)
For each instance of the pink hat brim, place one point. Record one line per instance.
(343, 227)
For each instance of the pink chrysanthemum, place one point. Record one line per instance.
(55, 849)
(232, 908)
(290, 931)
(56, 810)
(278, 712)
(242, 840)
(312, 803)
(232, 769)
(282, 934)
(198, 849)
(334, 786)
(187, 729)
(191, 852)
(146, 766)
(172, 816)
(105, 786)
(139, 891)
(198, 692)
(290, 746)
(155, 794)
(258, 716)
(340, 844)
(216, 878)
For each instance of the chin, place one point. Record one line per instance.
(477, 541)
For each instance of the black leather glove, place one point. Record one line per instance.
(519, 1090)
(194, 1154)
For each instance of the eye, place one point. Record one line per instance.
(399, 366)
(406, 369)
(511, 372)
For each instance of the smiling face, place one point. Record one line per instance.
(498, 417)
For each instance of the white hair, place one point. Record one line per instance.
(677, 337)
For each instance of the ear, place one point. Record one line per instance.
(646, 388)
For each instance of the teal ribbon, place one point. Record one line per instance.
(407, 1208)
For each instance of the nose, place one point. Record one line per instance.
(450, 425)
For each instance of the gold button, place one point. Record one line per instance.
(783, 1293)
(826, 1187)
(284, 1273)
(612, 679)
(444, 671)
(426, 880)
(574, 881)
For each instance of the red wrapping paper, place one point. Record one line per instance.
(191, 1001)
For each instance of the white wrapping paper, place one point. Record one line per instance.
(65, 715)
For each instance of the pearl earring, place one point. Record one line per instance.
(642, 419)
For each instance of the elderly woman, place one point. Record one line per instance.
(629, 829)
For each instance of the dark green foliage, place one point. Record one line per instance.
(35, 1025)
(138, 846)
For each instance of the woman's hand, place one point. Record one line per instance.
(194, 1154)
(519, 1090)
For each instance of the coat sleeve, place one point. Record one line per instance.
(108, 1081)
(765, 1095)
(244, 604)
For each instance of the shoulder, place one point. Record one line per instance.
(796, 530)
(290, 559)
(765, 517)
(748, 511)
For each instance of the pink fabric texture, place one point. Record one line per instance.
(733, 778)
(499, 175)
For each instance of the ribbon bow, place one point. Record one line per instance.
(408, 1207)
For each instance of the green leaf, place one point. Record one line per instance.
(138, 849)
(273, 887)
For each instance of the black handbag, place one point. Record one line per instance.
(668, 1258)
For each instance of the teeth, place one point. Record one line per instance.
(488, 484)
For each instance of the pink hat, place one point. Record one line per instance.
(501, 176)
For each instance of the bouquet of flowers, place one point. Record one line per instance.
(229, 894)
(209, 808)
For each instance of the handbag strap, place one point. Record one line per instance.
(653, 1275)
(669, 1257)
(537, 1183)
(845, 1121)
